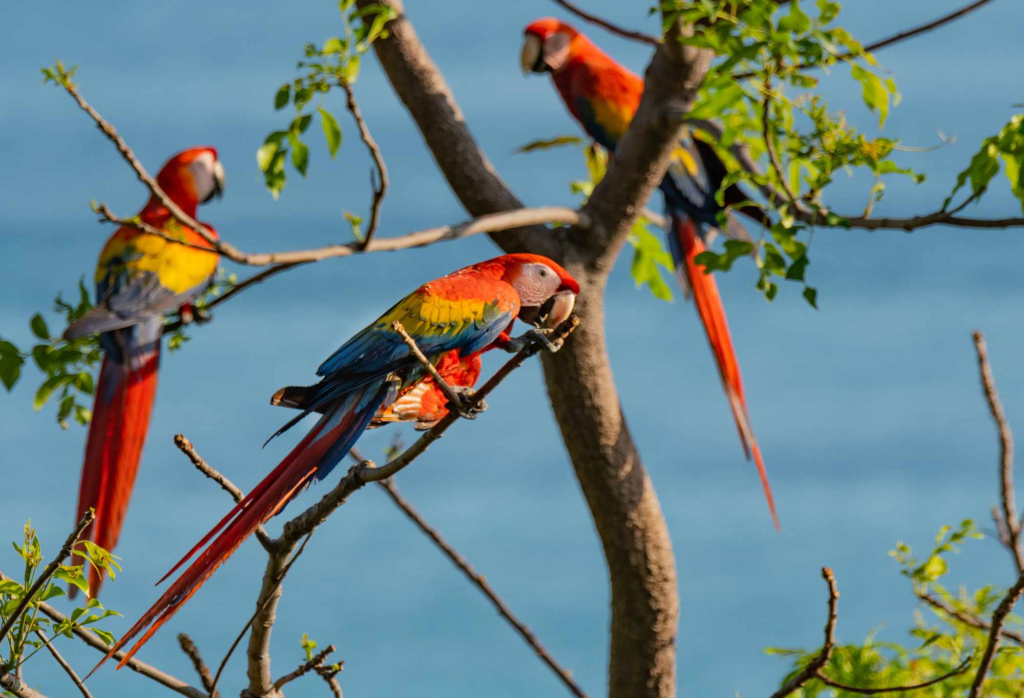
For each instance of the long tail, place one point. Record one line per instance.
(120, 420)
(318, 452)
(686, 244)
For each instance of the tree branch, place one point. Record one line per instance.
(966, 618)
(379, 190)
(481, 583)
(1010, 523)
(893, 689)
(11, 683)
(48, 572)
(186, 447)
(454, 398)
(305, 667)
(64, 664)
(192, 652)
(821, 660)
(136, 665)
(994, 635)
(608, 26)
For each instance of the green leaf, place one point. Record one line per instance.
(283, 96)
(332, 132)
(107, 637)
(648, 256)
(10, 364)
(333, 45)
(39, 329)
(874, 92)
(796, 21)
(300, 153)
(47, 388)
(547, 143)
(352, 70)
(811, 296)
(65, 574)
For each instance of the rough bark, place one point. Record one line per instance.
(622, 501)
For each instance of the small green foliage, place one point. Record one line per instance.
(649, 259)
(59, 75)
(1007, 146)
(23, 633)
(308, 645)
(334, 64)
(940, 643)
(356, 223)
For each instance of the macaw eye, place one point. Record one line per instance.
(543, 272)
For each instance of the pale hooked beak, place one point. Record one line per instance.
(219, 179)
(530, 59)
(561, 309)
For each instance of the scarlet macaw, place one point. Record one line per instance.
(139, 278)
(603, 96)
(453, 319)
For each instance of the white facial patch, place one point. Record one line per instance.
(536, 284)
(202, 170)
(556, 50)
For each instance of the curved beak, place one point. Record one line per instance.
(561, 309)
(219, 180)
(531, 58)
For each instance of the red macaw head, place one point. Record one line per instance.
(547, 292)
(547, 45)
(192, 177)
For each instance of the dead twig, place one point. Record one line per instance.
(380, 184)
(481, 583)
(192, 652)
(819, 662)
(1009, 525)
(64, 664)
(329, 675)
(48, 572)
(608, 26)
(186, 447)
(995, 634)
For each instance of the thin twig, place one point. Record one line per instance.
(484, 587)
(608, 26)
(453, 397)
(380, 186)
(995, 634)
(305, 667)
(893, 689)
(186, 447)
(259, 609)
(329, 675)
(48, 572)
(64, 664)
(883, 43)
(769, 141)
(967, 618)
(1010, 524)
(816, 664)
(137, 665)
(192, 652)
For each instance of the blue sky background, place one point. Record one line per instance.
(868, 410)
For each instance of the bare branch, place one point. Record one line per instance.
(136, 665)
(995, 634)
(267, 598)
(186, 447)
(305, 667)
(819, 662)
(192, 652)
(484, 587)
(454, 398)
(14, 685)
(329, 675)
(966, 618)
(608, 26)
(1010, 523)
(894, 689)
(64, 664)
(380, 187)
(48, 572)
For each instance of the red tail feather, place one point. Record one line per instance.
(712, 315)
(123, 404)
(293, 474)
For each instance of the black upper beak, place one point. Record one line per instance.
(218, 183)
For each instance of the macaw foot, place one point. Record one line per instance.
(537, 336)
(469, 411)
(189, 314)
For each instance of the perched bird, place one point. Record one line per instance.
(466, 312)
(139, 278)
(603, 96)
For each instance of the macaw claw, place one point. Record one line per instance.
(473, 411)
(537, 336)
